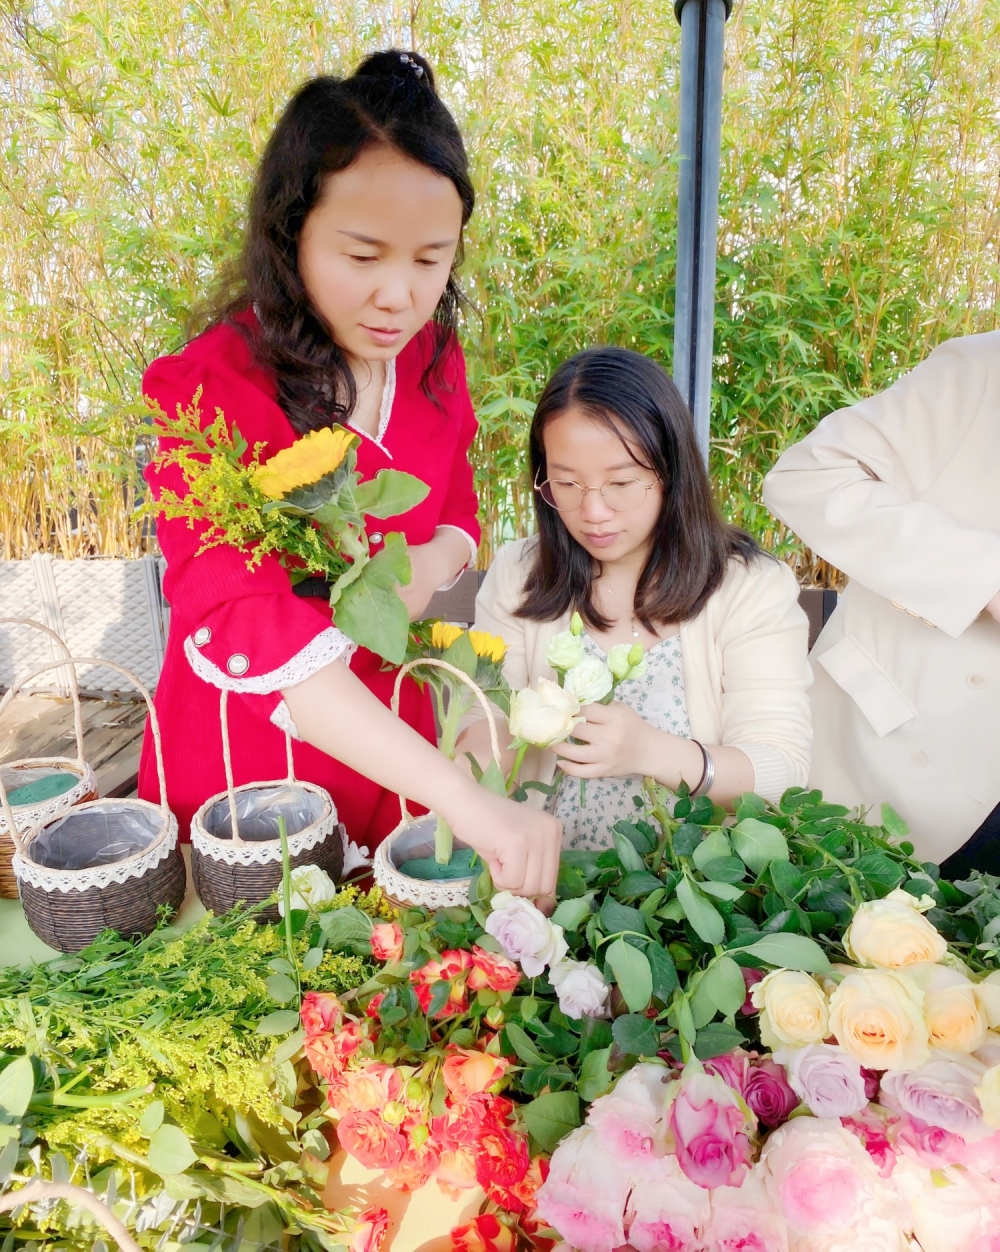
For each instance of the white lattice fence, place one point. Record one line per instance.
(101, 607)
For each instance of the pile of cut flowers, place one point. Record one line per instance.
(765, 1032)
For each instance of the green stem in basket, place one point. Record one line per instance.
(522, 748)
(443, 842)
(286, 896)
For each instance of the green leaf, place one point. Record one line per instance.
(595, 1078)
(721, 890)
(788, 880)
(788, 951)
(17, 1086)
(705, 919)
(632, 974)
(715, 846)
(152, 1118)
(571, 881)
(615, 917)
(661, 965)
(347, 929)
(370, 611)
(638, 883)
(493, 780)
(279, 1023)
(635, 1035)
(716, 1039)
(313, 958)
(725, 869)
(724, 984)
(522, 1044)
(686, 838)
(462, 655)
(893, 823)
(758, 843)
(631, 861)
(880, 869)
(315, 1142)
(389, 494)
(170, 1151)
(571, 914)
(280, 988)
(551, 1117)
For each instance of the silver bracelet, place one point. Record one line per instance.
(707, 774)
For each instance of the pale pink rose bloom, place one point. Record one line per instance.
(874, 1128)
(667, 1211)
(743, 1219)
(955, 1210)
(820, 1177)
(989, 1050)
(585, 1194)
(941, 1092)
(825, 1079)
(709, 1127)
(875, 1232)
(629, 1119)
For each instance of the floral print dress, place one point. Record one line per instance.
(658, 698)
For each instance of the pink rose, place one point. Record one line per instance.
(743, 1219)
(370, 1231)
(820, 1177)
(941, 1092)
(370, 1140)
(826, 1079)
(710, 1129)
(629, 1120)
(956, 1210)
(585, 1194)
(387, 942)
(768, 1094)
(667, 1211)
(751, 977)
(731, 1067)
(930, 1146)
(321, 1011)
(873, 1127)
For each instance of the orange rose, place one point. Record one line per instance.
(370, 1140)
(466, 1073)
(485, 1233)
(370, 1231)
(418, 1165)
(453, 967)
(456, 1169)
(328, 1054)
(387, 942)
(366, 1089)
(497, 973)
(321, 1011)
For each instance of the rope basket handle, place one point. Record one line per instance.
(477, 692)
(74, 686)
(154, 727)
(227, 761)
(42, 1189)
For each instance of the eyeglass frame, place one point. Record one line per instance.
(587, 490)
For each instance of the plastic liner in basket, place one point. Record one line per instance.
(98, 835)
(258, 810)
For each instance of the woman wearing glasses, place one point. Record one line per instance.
(628, 535)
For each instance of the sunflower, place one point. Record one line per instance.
(304, 463)
(485, 644)
(443, 635)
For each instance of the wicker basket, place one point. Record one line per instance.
(28, 816)
(229, 868)
(41, 1191)
(415, 838)
(130, 870)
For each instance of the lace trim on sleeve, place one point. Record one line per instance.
(283, 720)
(329, 645)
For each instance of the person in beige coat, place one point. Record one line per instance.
(902, 492)
(630, 538)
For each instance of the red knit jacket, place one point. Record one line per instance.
(244, 630)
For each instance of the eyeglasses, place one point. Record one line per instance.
(566, 496)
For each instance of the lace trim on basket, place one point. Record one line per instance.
(411, 892)
(257, 853)
(101, 876)
(329, 645)
(27, 817)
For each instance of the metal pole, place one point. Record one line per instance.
(703, 25)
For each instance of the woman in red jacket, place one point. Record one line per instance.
(344, 312)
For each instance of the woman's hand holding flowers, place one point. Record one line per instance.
(615, 741)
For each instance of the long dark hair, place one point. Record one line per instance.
(390, 99)
(691, 544)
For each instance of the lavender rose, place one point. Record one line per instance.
(525, 933)
(581, 987)
(941, 1092)
(828, 1081)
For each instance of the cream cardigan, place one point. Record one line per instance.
(745, 668)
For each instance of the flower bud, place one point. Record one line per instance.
(415, 1091)
(576, 624)
(494, 1016)
(636, 653)
(394, 1112)
(420, 1134)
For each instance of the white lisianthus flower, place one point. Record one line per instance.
(312, 887)
(581, 987)
(525, 933)
(627, 661)
(564, 651)
(543, 715)
(590, 681)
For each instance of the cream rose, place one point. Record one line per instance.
(543, 715)
(988, 996)
(988, 1093)
(893, 933)
(793, 1009)
(877, 1017)
(951, 1008)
